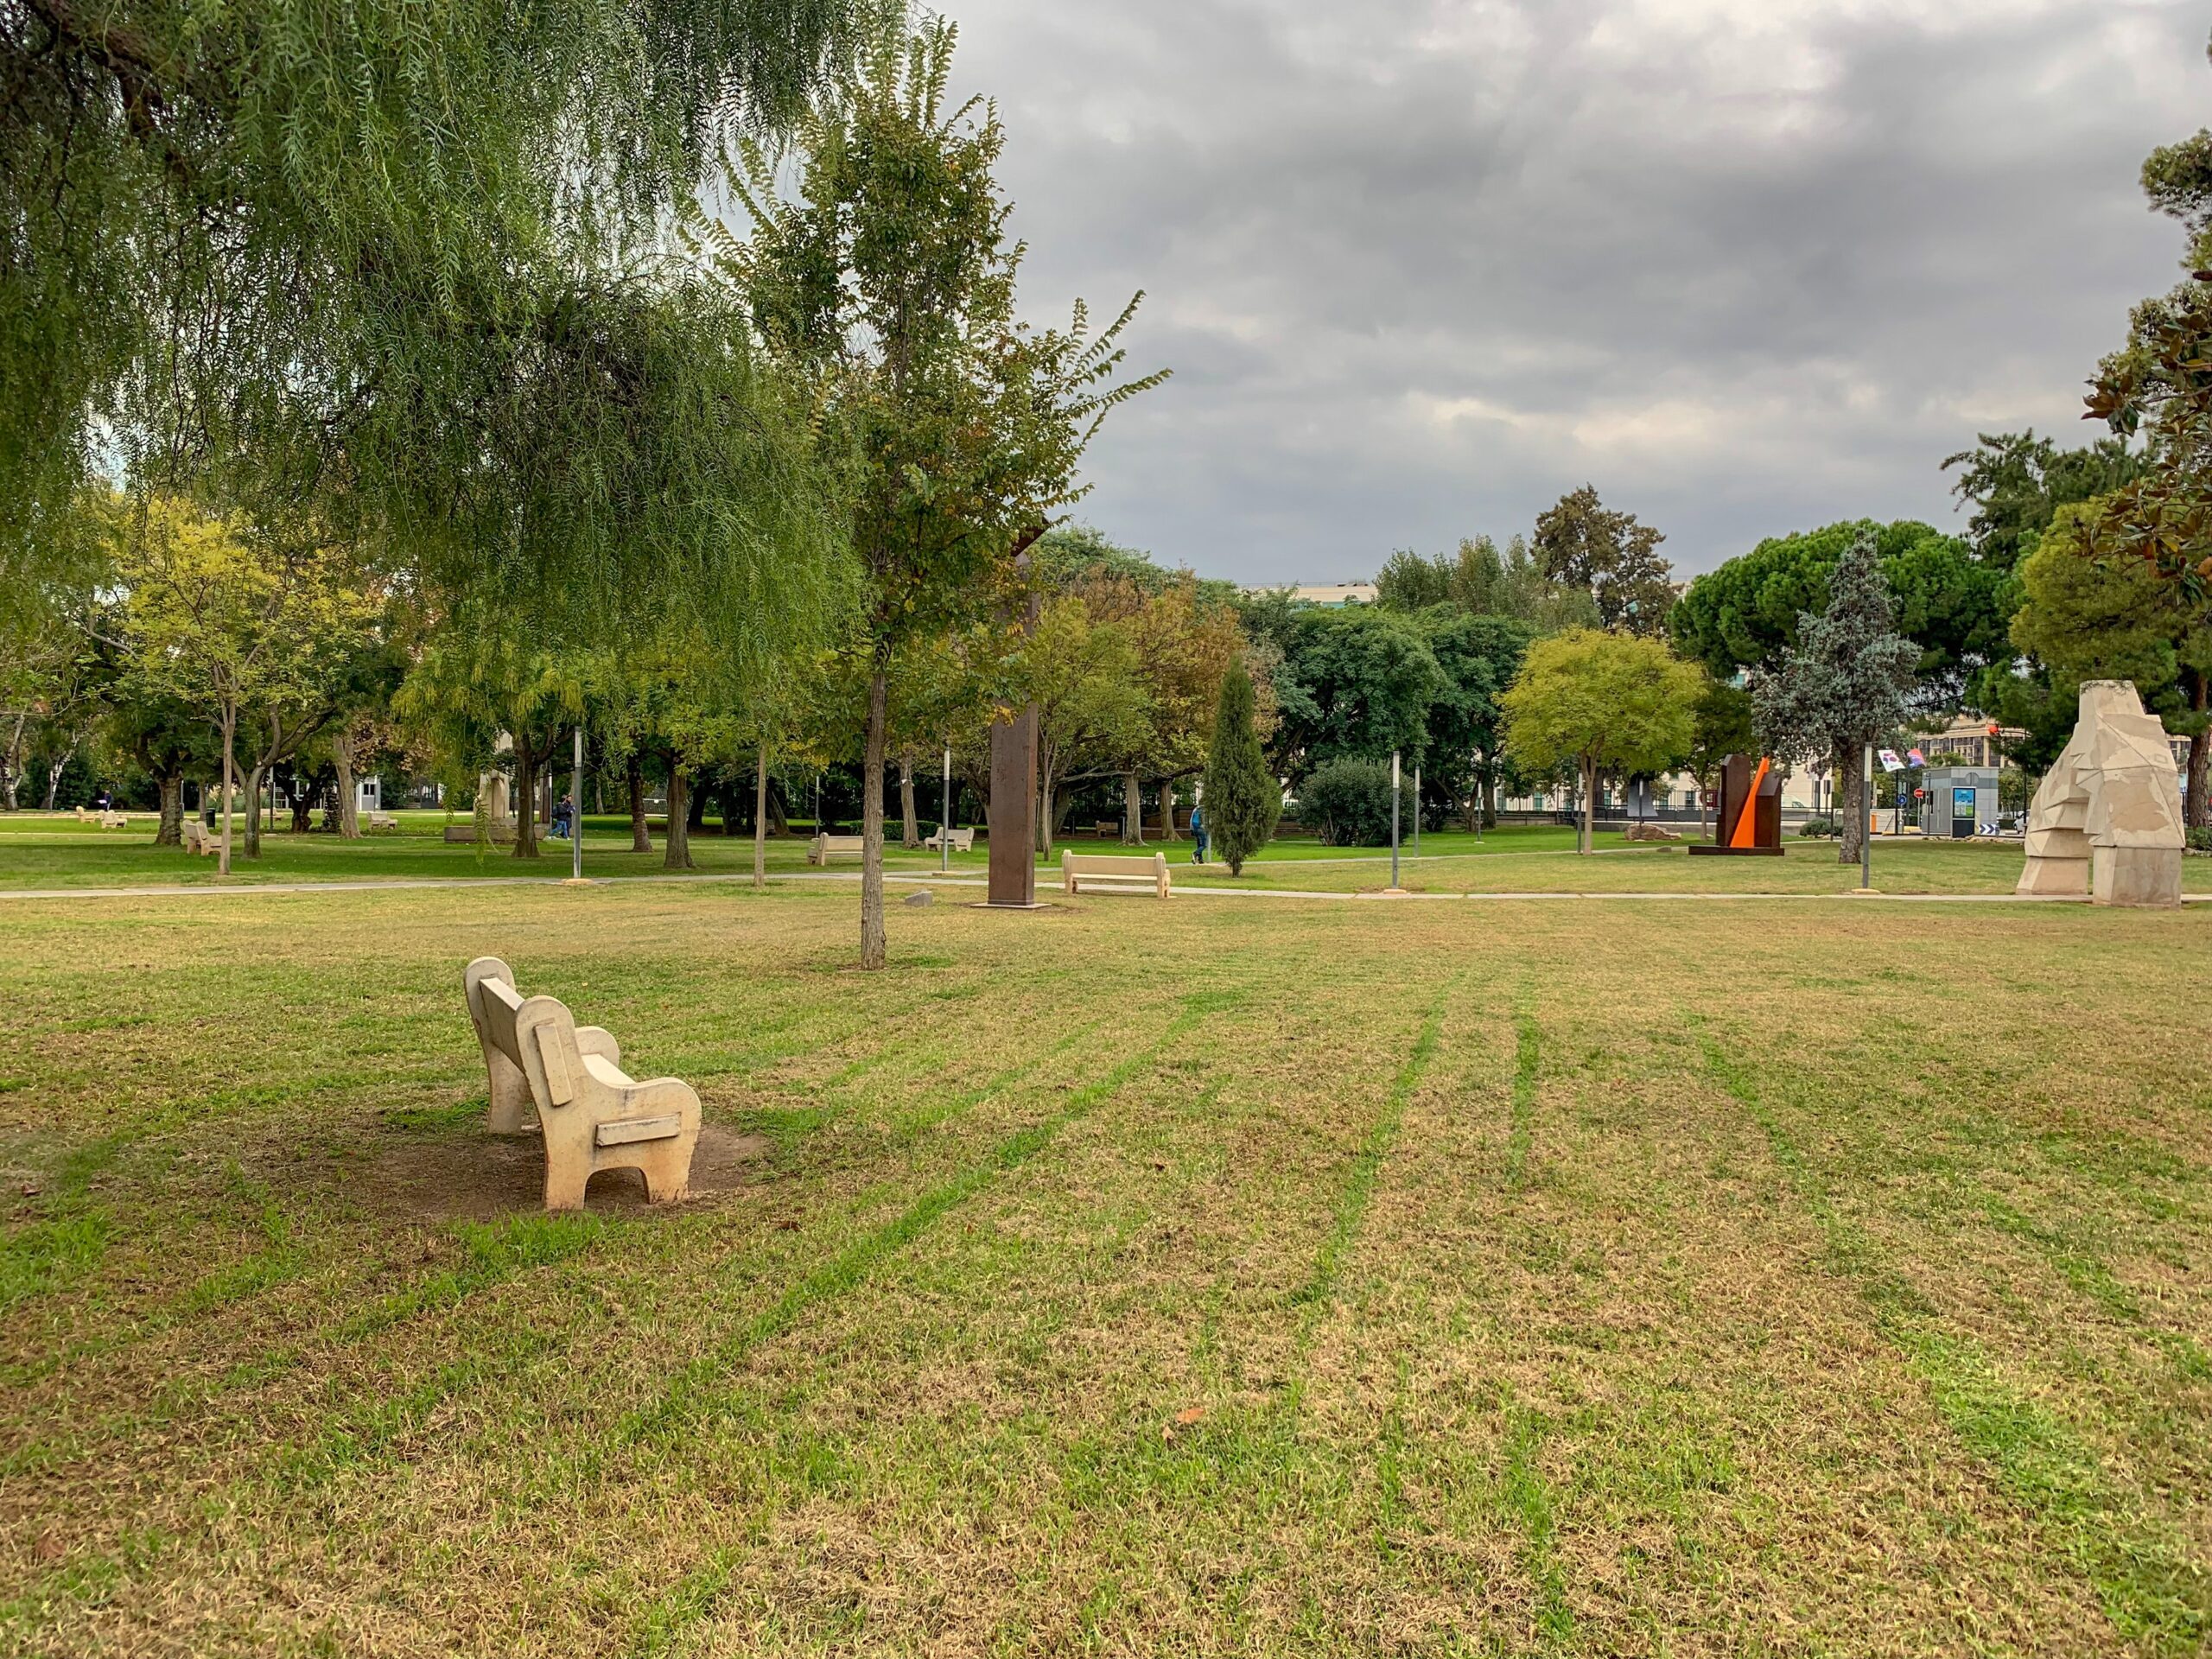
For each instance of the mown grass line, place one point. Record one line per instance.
(2091, 1279)
(1526, 1500)
(1528, 1060)
(693, 1391)
(2140, 1568)
(696, 1391)
(1358, 1190)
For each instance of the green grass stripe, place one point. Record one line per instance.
(1526, 1500)
(1528, 1059)
(694, 1390)
(1358, 1190)
(2153, 1591)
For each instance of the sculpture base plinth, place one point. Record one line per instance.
(2136, 878)
(1705, 849)
(994, 904)
(2055, 878)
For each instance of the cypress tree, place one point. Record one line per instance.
(1243, 797)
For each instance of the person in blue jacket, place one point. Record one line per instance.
(1199, 835)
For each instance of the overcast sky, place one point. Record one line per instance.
(1420, 265)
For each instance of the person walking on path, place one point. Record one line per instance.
(1198, 835)
(564, 815)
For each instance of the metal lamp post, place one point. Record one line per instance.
(576, 814)
(1866, 824)
(1416, 809)
(945, 821)
(1394, 820)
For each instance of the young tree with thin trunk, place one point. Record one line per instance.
(888, 282)
(1599, 702)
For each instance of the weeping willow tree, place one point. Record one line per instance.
(400, 257)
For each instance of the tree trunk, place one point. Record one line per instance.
(302, 807)
(253, 811)
(525, 800)
(11, 762)
(1851, 819)
(348, 815)
(873, 948)
(171, 832)
(678, 854)
(1167, 809)
(1589, 803)
(634, 778)
(2197, 809)
(1132, 809)
(913, 826)
(779, 822)
(760, 822)
(695, 808)
(230, 771)
(53, 772)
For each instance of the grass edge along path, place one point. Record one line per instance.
(2139, 1567)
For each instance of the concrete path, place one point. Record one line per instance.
(408, 883)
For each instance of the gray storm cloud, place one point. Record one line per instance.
(1747, 266)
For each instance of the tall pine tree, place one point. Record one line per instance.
(1842, 685)
(1243, 797)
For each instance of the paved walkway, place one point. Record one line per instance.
(407, 884)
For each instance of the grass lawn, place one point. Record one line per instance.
(38, 850)
(1202, 1278)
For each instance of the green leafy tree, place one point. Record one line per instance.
(1579, 543)
(1355, 681)
(1346, 802)
(1723, 727)
(887, 281)
(1242, 797)
(1952, 606)
(1599, 702)
(1843, 685)
(230, 622)
(1480, 579)
(2016, 482)
(1477, 656)
(1093, 709)
(2086, 619)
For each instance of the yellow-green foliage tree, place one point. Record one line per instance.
(228, 620)
(1601, 702)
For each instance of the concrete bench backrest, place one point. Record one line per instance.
(539, 1035)
(1123, 873)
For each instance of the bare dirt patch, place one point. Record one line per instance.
(485, 1177)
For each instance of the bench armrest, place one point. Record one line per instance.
(597, 1039)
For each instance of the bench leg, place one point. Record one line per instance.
(565, 1180)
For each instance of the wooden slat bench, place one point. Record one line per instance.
(593, 1114)
(1103, 872)
(823, 848)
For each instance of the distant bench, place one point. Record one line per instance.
(1103, 872)
(197, 837)
(963, 841)
(823, 848)
(593, 1114)
(381, 821)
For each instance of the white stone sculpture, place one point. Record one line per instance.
(2107, 819)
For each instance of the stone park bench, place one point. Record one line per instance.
(823, 848)
(1103, 873)
(197, 837)
(963, 841)
(114, 821)
(593, 1114)
(381, 822)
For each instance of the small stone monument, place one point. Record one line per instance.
(2107, 819)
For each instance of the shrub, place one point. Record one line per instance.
(1819, 830)
(2200, 839)
(1347, 803)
